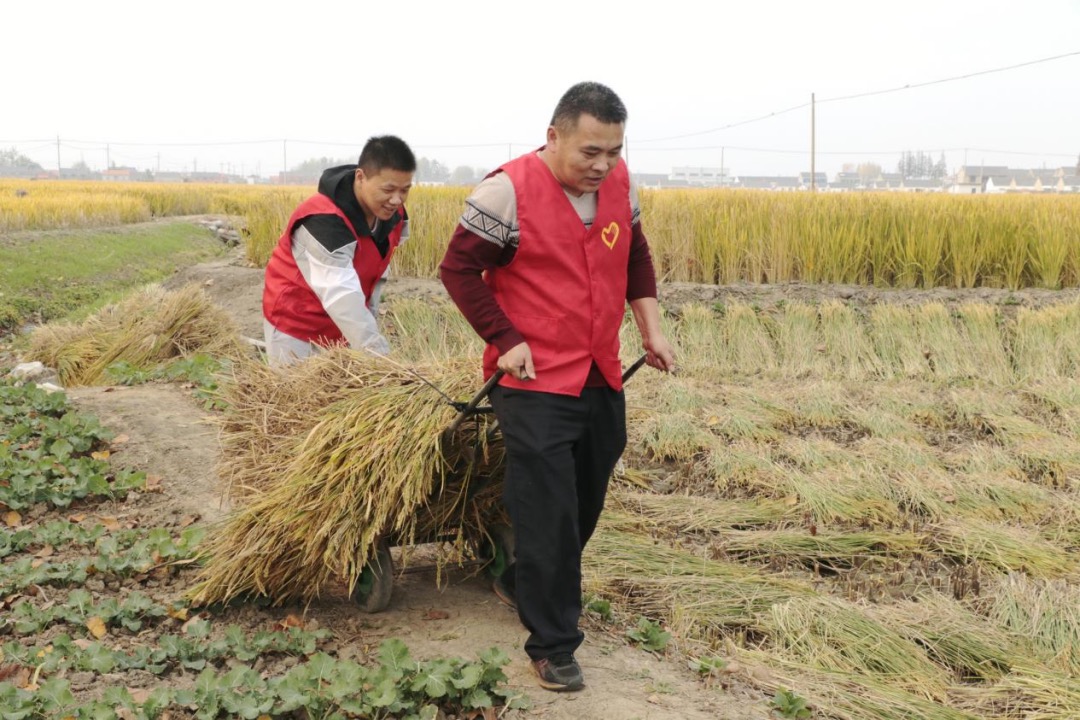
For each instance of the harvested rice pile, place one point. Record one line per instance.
(147, 328)
(330, 455)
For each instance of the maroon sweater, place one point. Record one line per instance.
(469, 255)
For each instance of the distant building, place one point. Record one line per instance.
(998, 179)
(778, 183)
(972, 179)
(654, 180)
(169, 176)
(295, 178)
(845, 184)
(122, 174)
(699, 176)
(919, 185)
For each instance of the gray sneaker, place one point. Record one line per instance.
(560, 672)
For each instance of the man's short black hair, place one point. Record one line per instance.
(588, 98)
(386, 151)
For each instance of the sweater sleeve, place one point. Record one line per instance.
(461, 272)
(640, 274)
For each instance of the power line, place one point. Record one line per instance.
(92, 144)
(1018, 152)
(418, 146)
(910, 86)
(759, 118)
(786, 151)
(102, 143)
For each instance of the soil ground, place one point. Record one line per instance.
(169, 436)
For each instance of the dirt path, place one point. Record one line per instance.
(167, 436)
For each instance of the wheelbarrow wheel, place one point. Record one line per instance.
(500, 549)
(376, 583)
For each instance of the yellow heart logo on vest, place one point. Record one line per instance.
(610, 234)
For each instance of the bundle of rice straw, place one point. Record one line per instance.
(149, 327)
(361, 458)
(268, 411)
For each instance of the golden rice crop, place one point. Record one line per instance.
(971, 646)
(1032, 693)
(700, 235)
(927, 340)
(700, 598)
(880, 238)
(684, 514)
(1005, 549)
(368, 465)
(844, 695)
(894, 333)
(1045, 343)
(839, 636)
(433, 213)
(982, 331)
(799, 342)
(429, 329)
(149, 327)
(1046, 613)
(747, 342)
(46, 205)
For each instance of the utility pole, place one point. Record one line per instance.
(59, 172)
(284, 160)
(813, 148)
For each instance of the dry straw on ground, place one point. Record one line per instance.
(361, 458)
(150, 327)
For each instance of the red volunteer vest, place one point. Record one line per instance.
(289, 303)
(565, 289)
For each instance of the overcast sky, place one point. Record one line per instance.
(160, 82)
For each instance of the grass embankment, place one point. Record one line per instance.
(50, 275)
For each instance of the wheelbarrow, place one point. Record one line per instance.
(375, 585)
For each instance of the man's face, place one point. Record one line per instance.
(583, 155)
(384, 193)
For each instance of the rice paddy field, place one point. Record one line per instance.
(703, 236)
(873, 505)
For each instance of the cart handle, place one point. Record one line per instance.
(471, 405)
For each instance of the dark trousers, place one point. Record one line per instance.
(560, 452)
